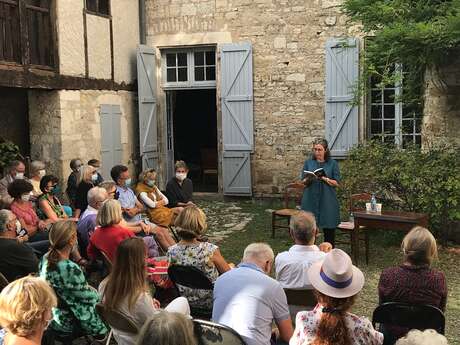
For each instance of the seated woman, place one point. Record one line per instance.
(167, 328)
(37, 171)
(76, 313)
(51, 208)
(179, 189)
(414, 281)
(86, 180)
(155, 201)
(126, 289)
(110, 233)
(205, 256)
(337, 283)
(25, 310)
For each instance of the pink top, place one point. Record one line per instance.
(26, 212)
(359, 328)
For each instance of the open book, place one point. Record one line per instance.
(313, 175)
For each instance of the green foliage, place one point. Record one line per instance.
(414, 180)
(416, 34)
(8, 152)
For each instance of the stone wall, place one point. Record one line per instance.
(288, 38)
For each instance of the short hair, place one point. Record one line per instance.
(258, 252)
(73, 163)
(303, 226)
(426, 337)
(323, 142)
(108, 185)
(35, 167)
(180, 164)
(13, 165)
(19, 187)
(419, 246)
(23, 304)
(116, 171)
(47, 179)
(167, 328)
(191, 222)
(109, 214)
(5, 218)
(94, 162)
(96, 194)
(143, 175)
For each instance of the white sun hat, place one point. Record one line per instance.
(336, 276)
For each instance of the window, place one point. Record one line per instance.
(189, 68)
(98, 6)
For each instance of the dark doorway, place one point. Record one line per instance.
(195, 135)
(14, 118)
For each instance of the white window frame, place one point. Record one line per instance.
(191, 83)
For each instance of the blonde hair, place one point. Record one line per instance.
(427, 337)
(35, 167)
(23, 304)
(60, 236)
(191, 222)
(419, 246)
(109, 214)
(259, 252)
(167, 328)
(147, 173)
(108, 185)
(85, 173)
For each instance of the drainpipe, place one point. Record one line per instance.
(142, 23)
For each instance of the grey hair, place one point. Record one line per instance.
(259, 252)
(107, 185)
(96, 194)
(35, 167)
(13, 165)
(5, 216)
(426, 337)
(303, 226)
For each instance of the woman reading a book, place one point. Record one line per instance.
(321, 177)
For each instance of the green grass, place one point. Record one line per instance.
(384, 252)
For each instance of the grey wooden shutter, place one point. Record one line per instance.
(237, 117)
(341, 116)
(111, 149)
(146, 80)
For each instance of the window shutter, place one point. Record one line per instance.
(146, 81)
(342, 74)
(111, 149)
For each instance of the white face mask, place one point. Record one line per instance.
(128, 182)
(94, 177)
(181, 176)
(42, 173)
(25, 197)
(19, 176)
(150, 183)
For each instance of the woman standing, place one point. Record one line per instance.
(86, 180)
(319, 196)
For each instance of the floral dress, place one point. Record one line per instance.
(360, 328)
(198, 255)
(77, 300)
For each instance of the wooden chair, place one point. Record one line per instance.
(209, 163)
(208, 333)
(3, 281)
(292, 195)
(346, 228)
(299, 300)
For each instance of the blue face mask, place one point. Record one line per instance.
(128, 182)
(56, 190)
(150, 183)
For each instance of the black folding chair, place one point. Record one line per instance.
(409, 316)
(191, 277)
(299, 300)
(3, 281)
(210, 333)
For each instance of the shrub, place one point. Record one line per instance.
(8, 152)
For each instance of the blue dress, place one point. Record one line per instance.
(321, 199)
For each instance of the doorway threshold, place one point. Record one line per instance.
(208, 196)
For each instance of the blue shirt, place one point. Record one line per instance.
(128, 199)
(248, 300)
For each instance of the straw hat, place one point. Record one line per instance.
(336, 276)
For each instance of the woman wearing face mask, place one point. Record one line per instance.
(155, 201)
(51, 208)
(75, 165)
(37, 171)
(87, 179)
(179, 189)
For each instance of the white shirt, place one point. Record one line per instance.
(291, 267)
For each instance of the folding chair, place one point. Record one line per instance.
(280, 218)
(298, 300)
(116, 320)
(3, 282)
(211, 333)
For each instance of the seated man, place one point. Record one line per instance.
(15, 170)
(248, 300)
(130, 206)
(16, 258)
(291, 266)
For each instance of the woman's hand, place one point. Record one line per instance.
(22, 239)
(325, 247)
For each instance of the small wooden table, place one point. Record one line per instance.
(390, 220)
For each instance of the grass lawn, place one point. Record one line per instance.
(384, 252)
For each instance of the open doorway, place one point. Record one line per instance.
(194, 118)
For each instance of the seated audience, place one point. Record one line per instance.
(16, 258)
(291, 267)
(110, 233)
(426, 337)
(86, 179)
(414, 281)
(249, 301)
(165, 328)
(14, 171)
(131, 207)
(96, 164)
(205, 256)
(37, 171)
(75, 166)
(337, 283)
(179, 189)
(25, 310)
(155, 201)
(49, 204)
(126, 289)
(76, 314)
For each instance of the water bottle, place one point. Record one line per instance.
(352, 218)
(373, 203)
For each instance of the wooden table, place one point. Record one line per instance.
(388, 220)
